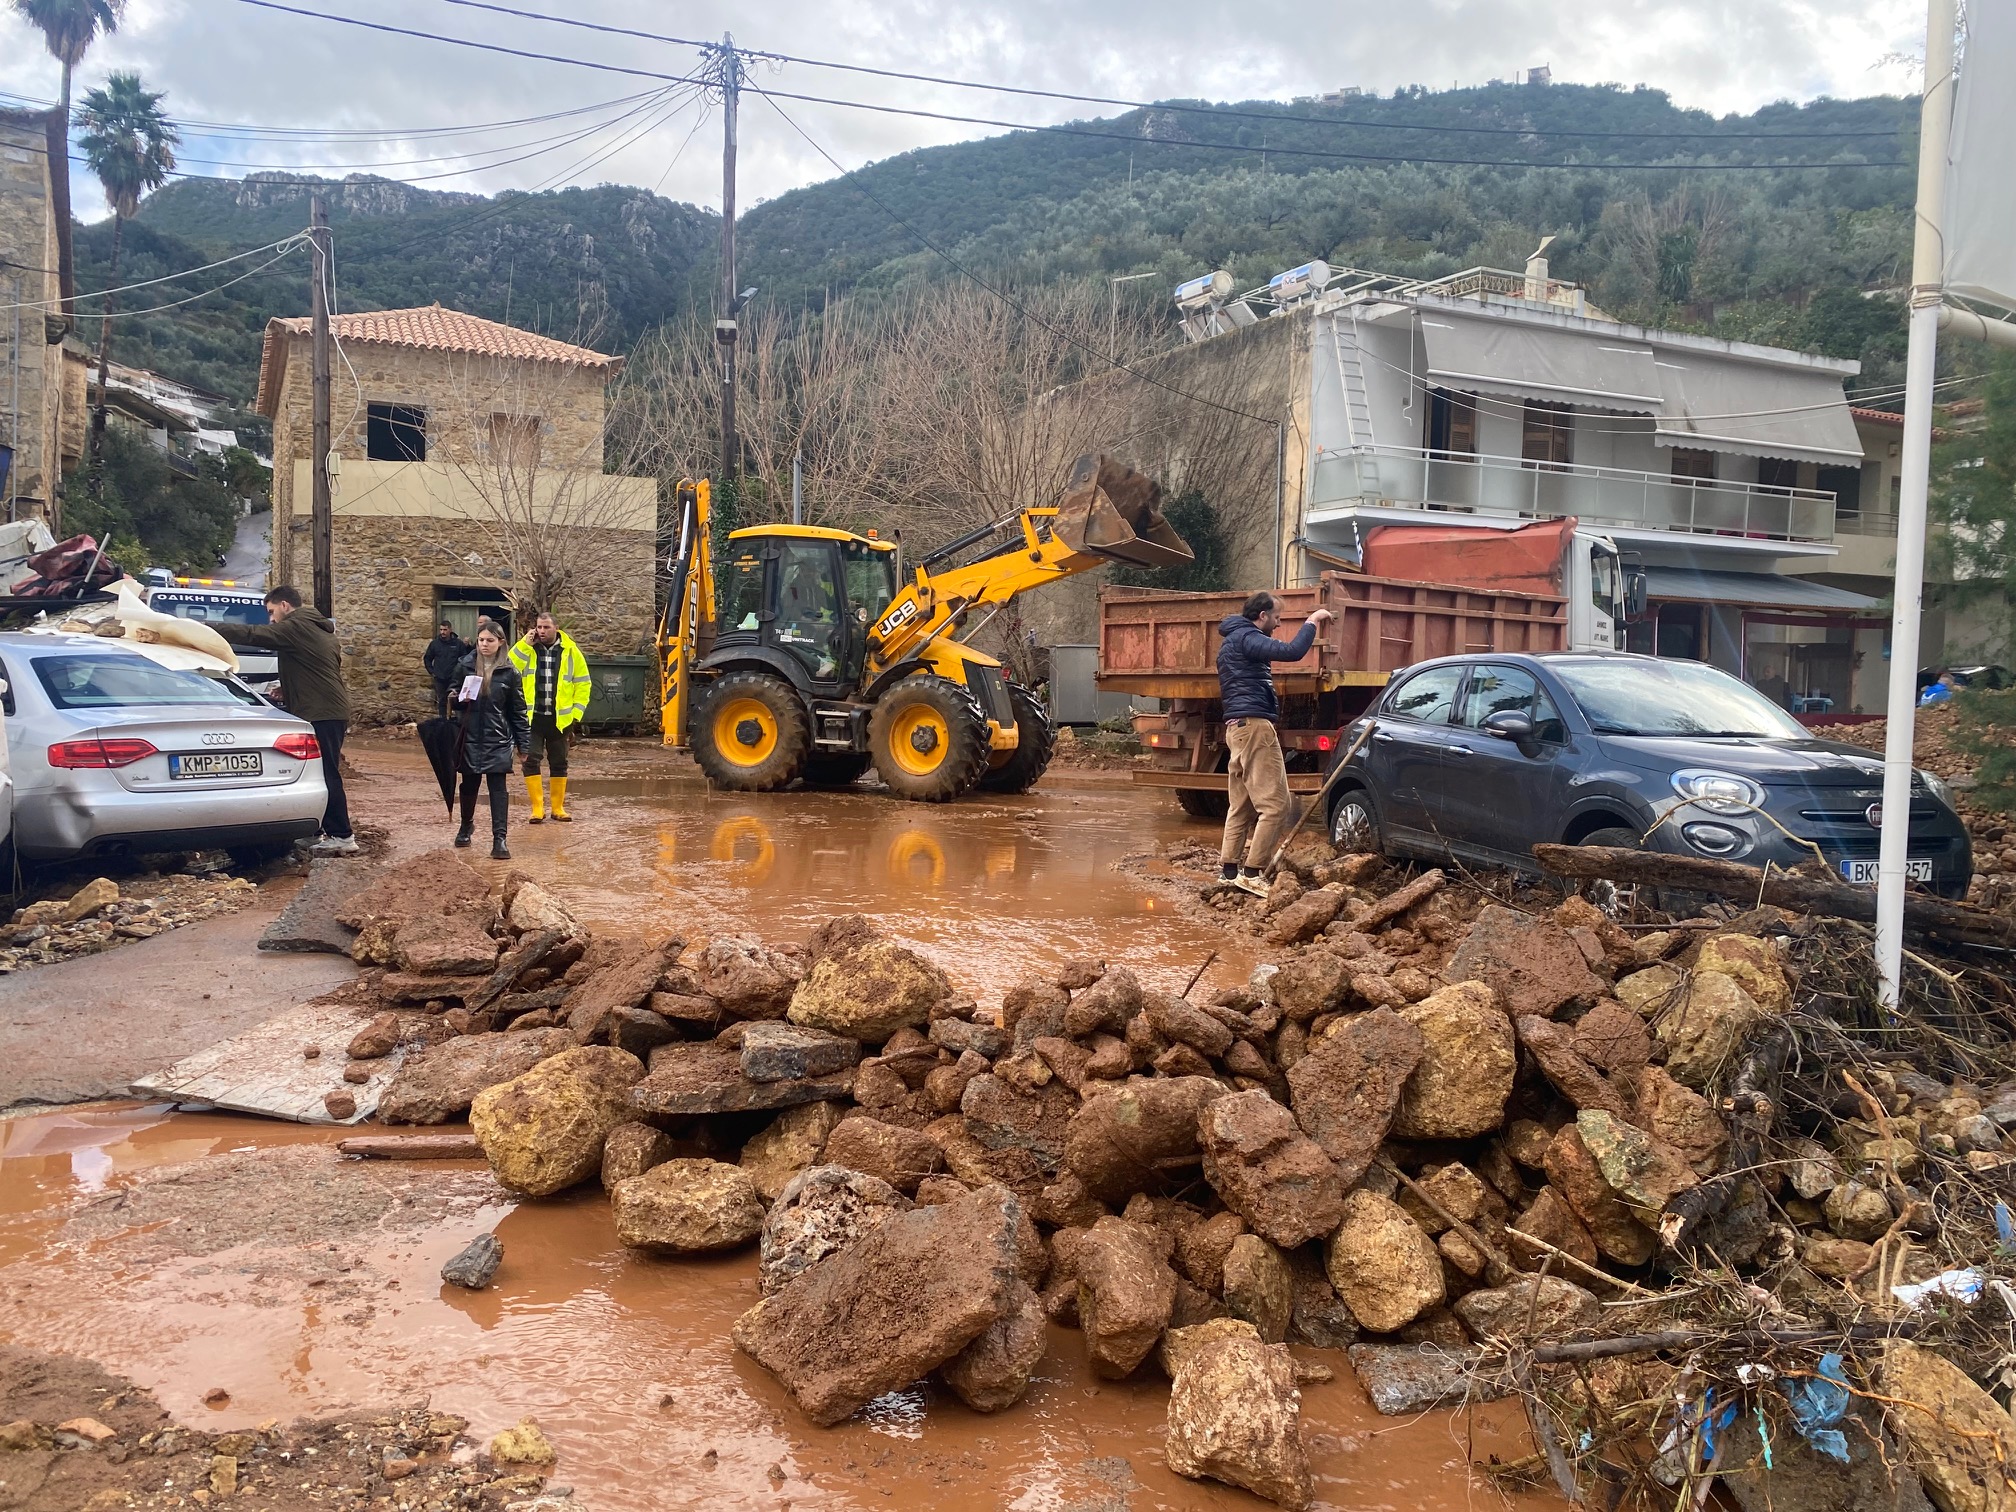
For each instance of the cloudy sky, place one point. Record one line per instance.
(316, 95)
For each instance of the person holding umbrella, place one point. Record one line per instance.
(490, 701)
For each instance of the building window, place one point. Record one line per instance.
(1845, 483)
(514, 442)
(1777, 472)
(1549, 435)
(1452, 423)
(395, 433)
(1690, 462)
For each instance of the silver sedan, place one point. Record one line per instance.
(113, 752)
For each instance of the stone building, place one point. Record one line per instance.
(38, 439)
(469, 479)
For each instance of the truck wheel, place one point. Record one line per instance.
(835, 771)
(1201, 804)
(1354, 827)
(929, 739)
(1036, 743)
(749, 733)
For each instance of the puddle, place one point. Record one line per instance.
(625, 1361)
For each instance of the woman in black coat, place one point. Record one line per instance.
(490, 700)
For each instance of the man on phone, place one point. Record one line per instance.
(1257, 773)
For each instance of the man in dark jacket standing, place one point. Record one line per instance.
(1257, 774)
(311, 688)
(444, 655)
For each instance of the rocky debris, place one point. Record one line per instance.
(543, 1131)
(891, 1307)
(1383, 1265)
(377, 1039)
(1265, 1169)
(1702, 1034)
(749, 981)
(791, 1143)
(1346, 1090)
(992, 1373)
(1464, 1079)
(620, 986)
(819, 1212)
(632, 1149)
(437, 882)
(458, 943)
(1535, 967)
(1954, 1434)
(1126, 1290)
(475, 1265)
(1128, 1135)
(1799, 1478)
(1258, 1286)
(689, 1078)
(902, 1157)
(138, 909)
(869, 992)
(1540, 1307)
(438, 1084)
(1405, 1379)
(308, 922)
(1553, 1046)
(1235, 1416)
(687, 1207)
(778, 1051)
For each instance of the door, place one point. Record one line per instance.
(1499, 801)
(808, 624)
(1406, 754)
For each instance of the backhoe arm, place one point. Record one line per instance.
(688, 626)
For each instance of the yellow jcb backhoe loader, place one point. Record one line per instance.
(822, 653)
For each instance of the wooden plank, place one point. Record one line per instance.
(412, 1147)
(264, 1071)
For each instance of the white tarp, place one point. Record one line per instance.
(1722, 404)
(1497, 354)
(1980, 192)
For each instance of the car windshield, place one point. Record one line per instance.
(1671, 698)
(118, 682)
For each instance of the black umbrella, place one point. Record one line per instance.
(440, 737)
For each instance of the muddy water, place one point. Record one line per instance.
(624, 1361)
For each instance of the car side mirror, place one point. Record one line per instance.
(1510, 724)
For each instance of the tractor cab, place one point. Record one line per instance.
(808, 595)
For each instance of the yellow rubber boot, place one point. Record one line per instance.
(536, 787)
(560, 801)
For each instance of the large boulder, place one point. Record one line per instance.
(1638, 1168)
(1533, 964)
(1347, 1088)
(993, 1371)
(450, 944)
(437, 1084)
(1125, 1292)
(820, 1212)
(1754, 963)
(687, 1207)
(1105, 1006)
(1235, 1416)
(626, 981)
(1459, 1089)
(1384, 1267)
(1259, 1287)
(1687, 1121)
(1651, 991)
(1268, 1171)
(1553, 1046)
(791, 1142)
(869, 993)
(1536, 1307)
(1128, 1136)
(901, 1157)
(695, 1077)
(543, 1131)
(1573, 1174)
(1313, 982)
(1715, 1018)
(1034, 1124)
(773, 1050)
(1955, 1435)
(748, 980)
(889, 1308)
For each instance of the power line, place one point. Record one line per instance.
(1210, 110)
(147, 283)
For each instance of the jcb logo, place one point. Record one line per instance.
(897, 618)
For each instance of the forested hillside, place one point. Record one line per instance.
(1776, 254)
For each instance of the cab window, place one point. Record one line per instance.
(742, 593)
(808, 605)
(1427, 696)
(871, 579)
(1495, 690)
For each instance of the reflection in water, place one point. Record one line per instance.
(915, 859)
(744, 843)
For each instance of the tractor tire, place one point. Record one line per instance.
(1199, 803)
(929, 738)
(835, 771)
(1036, 743)
(749, 733)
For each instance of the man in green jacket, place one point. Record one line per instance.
(311, 688)
(555, 674)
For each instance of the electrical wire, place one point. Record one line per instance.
(1210, 110)
(148, 283)
(292, 244)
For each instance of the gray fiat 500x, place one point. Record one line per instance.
(1482, 757)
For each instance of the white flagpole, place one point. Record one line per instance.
(1928, 277)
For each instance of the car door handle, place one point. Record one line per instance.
(1455, 749)
(1382, 738)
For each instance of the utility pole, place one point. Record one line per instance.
(728, 73)
(321, 520)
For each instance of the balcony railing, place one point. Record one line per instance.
(1507, 488)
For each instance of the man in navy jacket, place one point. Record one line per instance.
(1257, 775)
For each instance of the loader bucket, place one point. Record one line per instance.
(1110, 510)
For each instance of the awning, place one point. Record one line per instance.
(1498, 355)
(1757, 590)
(1724, 405)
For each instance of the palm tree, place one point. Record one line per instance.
(131, 147)
(69, 27)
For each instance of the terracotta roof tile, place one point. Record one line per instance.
(430, 328)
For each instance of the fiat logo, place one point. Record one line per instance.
(225, 737)
(1874, 814)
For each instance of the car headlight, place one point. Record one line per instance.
(1936, 786)
(1719, 792)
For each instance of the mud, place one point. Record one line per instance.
(625, 1362)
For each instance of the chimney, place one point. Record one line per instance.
(1536, 272)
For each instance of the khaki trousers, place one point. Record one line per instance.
(1258, 792)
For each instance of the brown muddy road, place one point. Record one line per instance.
(191, 1251)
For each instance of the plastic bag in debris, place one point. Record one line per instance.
(1958, 1285)
(1819, 1402)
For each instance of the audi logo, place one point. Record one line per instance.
(220, 737)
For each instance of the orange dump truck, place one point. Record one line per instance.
(1527, 589)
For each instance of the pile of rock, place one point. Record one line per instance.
(102, 914)
(1402, 1133)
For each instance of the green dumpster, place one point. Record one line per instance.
(617, 692)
